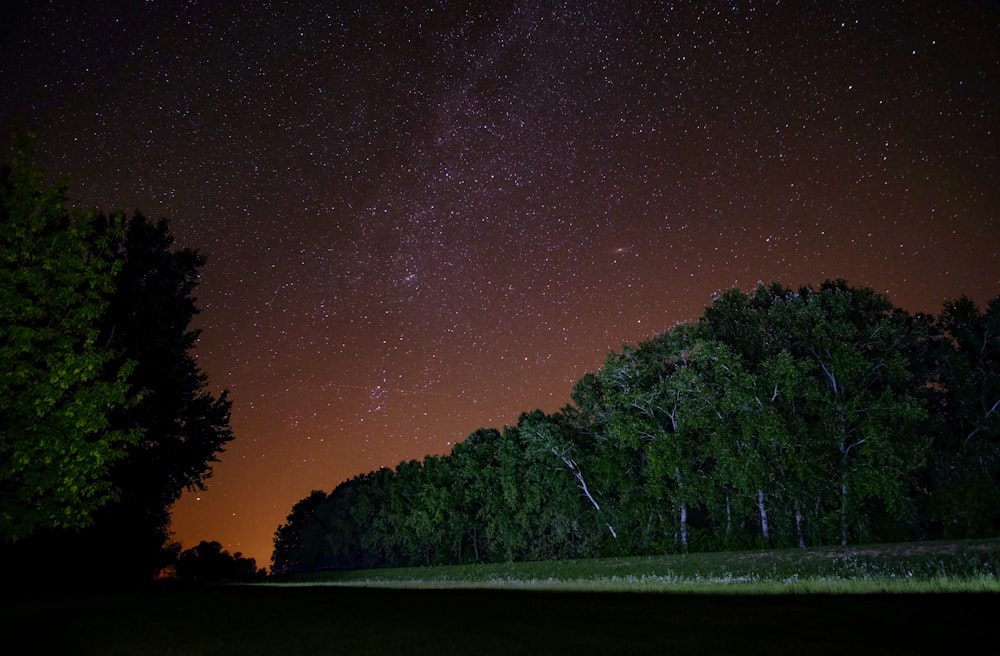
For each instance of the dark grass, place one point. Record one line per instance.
(319, 618)
(341, 620)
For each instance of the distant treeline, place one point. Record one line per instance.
(779, 418)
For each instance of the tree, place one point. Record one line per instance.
(556, 435)
(61, 383)
(106, 417)
(615, 467)
(857, 397)
(208, 562)
(183, 425)
(796, 458)
(288, 551)
(383, 541)
(736, 435)
(179, 425)
(410, 523)
(434, 520)
(965, 472)
(973, 371)
(648, 390)
(534, 509)
(474, 467)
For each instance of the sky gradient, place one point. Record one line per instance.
(424, 220)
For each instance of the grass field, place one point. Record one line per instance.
(945, 566)
(629, 606)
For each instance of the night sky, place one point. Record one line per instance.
(421, 221)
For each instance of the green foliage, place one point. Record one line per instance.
(781, 418)
(536, 512)
(60, 382)
(105, 417)
(290, 546)
(963, 480)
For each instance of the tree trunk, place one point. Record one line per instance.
(843, 511)
(844, 450)
(729, 516)
(583, 486)
(843, 495)
(764, 529)
(684, 528)
(684, 510)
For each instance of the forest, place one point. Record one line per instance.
(780, 418)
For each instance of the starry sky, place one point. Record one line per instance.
(424, 218)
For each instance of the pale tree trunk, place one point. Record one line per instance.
(764, 529)
(843, 513)
(980, 427)
(475, 543)
(684, 510)
(845, 450)
(729, 516)
(843, 492)
(684, 528)
(569, 462)
(798, 527)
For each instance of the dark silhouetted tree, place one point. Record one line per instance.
(965, 474)
(208, 562)
(288, 551)
(183, 425)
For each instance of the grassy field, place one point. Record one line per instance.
(947, 566)
(620, 606)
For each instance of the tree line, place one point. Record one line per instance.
(779, 418)
(105, 416)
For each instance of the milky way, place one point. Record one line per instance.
(424, 220)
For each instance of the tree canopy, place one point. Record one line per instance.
(780, 417)
(208, 562)
(60, 383)
(105, 415)
(181, 423)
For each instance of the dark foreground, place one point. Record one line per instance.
(302, 621)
